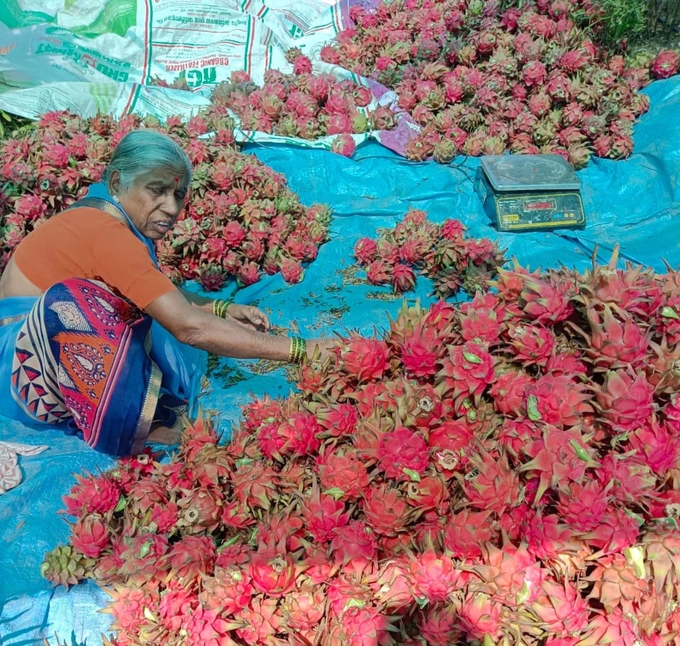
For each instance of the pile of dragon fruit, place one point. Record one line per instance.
(480, 80)
(241, 220)
(503, 471)
(443, 253)
(303, 104)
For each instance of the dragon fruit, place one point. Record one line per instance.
(479, 616)
(387, 512)
(625, 399)
(363, 359)
(422, 351)
(273, 573)
(192, 556)
(439, 626)
(666, 64)
(494, 486)
(344, 472)
(558, 457)
(431, 482)
(322, 515)
(355, 546)
(303, 609)
(260, 621)
(432, 577)
(560, 608)
(403, 453)
(467, 371)
(403, 278)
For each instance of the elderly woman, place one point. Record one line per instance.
(93, 337)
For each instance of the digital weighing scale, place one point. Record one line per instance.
(530, 192)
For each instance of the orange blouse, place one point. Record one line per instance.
(88, 243)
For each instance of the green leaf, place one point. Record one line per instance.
(672, 522)
(422, 602)
(523, 594)
(488, 640)
(229, 542)
(414, 475)
(241, 462)
(581, 453)
(636, 556)
(335, 492)
(532, 409)
(144, 549)
(122, 501)
(354, 603)
(636, 517)
(669, 313)
(470, 357)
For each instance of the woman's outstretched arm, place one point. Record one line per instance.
(224, 337)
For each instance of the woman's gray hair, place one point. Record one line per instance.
(143, 151)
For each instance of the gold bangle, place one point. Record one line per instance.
(219, 308)
(298, 350)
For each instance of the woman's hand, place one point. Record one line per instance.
(320, 347)
(249, 316)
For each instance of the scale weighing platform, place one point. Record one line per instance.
(530, 192)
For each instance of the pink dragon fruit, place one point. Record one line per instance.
(666, 64)
(403, 278)
(363, 359)
(625, 399)
(386, 511)
(403, 454)
(343, 144)
(467, 371)
(432, 577)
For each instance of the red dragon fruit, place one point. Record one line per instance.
(479, 616)
(560, 608)
(422, 350)
(344, 144)
(666, 64)
(467, 371)
(403, 278)
(559, 457)
(439, 626)
(386, 510)
(90, 535)
(355, 546)
(625, 399)
(343, 471)
(260, 621)
(272, 572)
(192, 556)
(322, 514)
(510, 575)
(494, 487)
(466, 533)
(432, 577)
(303, 609)
(403, 454)
(363, 359)
(559, 400)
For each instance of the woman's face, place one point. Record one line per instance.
(154, 201)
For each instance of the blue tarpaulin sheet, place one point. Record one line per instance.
(635, 203)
